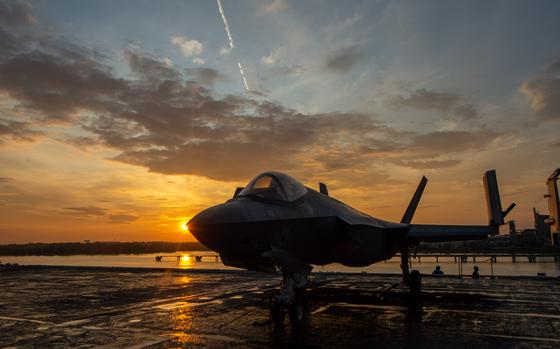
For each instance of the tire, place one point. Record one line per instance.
(277, 313)
(415, 283)
(296, 313)
(296, 310)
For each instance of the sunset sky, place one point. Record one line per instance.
(119, 120)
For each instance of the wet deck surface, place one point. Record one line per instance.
(83, 308)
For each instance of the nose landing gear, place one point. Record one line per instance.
(290, 299)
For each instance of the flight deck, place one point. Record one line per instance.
(82, 307)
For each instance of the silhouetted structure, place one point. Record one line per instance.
(275, 222)
(553, 205)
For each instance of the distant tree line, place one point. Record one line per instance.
(97, 247)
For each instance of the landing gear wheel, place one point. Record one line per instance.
(415, 283)
(296, 314)
(277, 313)
(295, 309)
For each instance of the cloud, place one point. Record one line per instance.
(150, 68)
(187, 47)
(16, 13)
(442, 142)
(122, 218)
(59, 83)
(442, 102)
(272, 6)
(206, 76)
(271, 58)
(428, 164)
(543, 92)
(6, 179)
(17, 130)
(85, 211)
(283, 71)
(158, 119)
(345, 59)
(198, 60)
(224, 51)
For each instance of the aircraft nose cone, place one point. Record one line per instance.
(210, 225)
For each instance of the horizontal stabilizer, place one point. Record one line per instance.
(409, 213)
(440, 233)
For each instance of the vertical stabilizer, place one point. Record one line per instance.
(409, 213)
(493, 203)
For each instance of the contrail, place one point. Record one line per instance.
(242, 75)
(226, 26)
(230, 42)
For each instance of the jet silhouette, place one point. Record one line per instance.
(276, 223)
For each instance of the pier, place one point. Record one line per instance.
(197, 258)
(493, 256)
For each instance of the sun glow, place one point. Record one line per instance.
(184, 227)
(185, 258)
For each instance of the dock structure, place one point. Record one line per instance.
(197, 258)
(124, 307)
(487, 256)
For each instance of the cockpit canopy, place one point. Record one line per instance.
(275, 186)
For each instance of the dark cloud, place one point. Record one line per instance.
(425, 151)
(206, 76)
(441, 142)
(345, 59)
(85, 211)
(122, 218)
(151, 69)
(543, 92)
(428, 164)
(445, 103)
(17, 130)
(160, 120)
(16, 13)
(58, 86)
(6, 179)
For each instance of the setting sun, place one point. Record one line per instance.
(184, 227)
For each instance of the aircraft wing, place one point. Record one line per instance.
(442, 233)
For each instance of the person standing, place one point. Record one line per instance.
(475, 274)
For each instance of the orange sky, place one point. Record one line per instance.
(120, 121)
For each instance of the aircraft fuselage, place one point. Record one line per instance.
(315, 229)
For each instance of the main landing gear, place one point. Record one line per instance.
(410, 278)
(290, 298)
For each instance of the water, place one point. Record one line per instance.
(504, 266)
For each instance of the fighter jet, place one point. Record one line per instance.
(275, 223)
